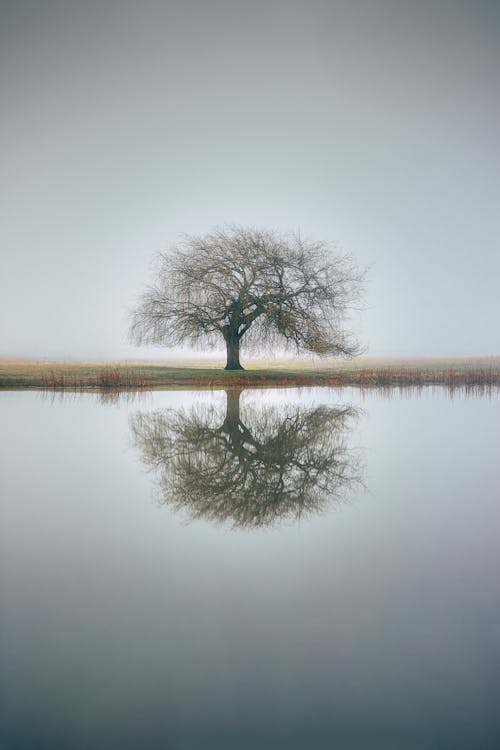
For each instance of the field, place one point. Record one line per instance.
(472, 373)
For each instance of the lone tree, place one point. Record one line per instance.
(273, 290)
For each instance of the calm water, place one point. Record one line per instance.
(278, 570)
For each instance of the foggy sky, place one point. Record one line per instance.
(372, 124)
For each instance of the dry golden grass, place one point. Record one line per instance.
(477, 372)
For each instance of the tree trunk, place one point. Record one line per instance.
(233, 353)
(233, 407)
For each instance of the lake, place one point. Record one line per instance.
(280, 569)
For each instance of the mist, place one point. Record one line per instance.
(373, 125)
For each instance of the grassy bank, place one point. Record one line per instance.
(141, 375)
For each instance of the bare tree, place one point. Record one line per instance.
(272, 289)
(253, 467)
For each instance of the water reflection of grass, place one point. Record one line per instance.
(474, 373)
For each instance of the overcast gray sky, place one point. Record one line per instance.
(373, 124)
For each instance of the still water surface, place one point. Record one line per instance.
(259, 570)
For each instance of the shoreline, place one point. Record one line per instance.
(477, 372)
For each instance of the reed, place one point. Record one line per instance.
(383, 375)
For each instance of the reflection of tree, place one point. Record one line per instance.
(281, 462)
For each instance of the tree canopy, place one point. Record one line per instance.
(275, 290)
